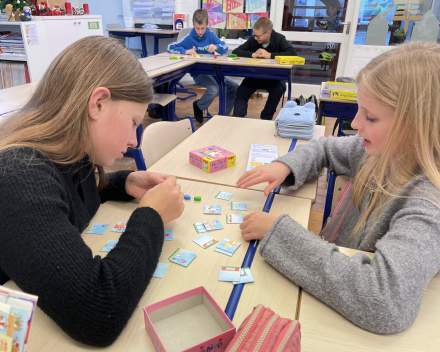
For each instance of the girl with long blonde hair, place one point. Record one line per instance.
(81, 117)
(394, 163)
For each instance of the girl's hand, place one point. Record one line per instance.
(256, 225)
(166, 199)
(274, 173)
(139, 182)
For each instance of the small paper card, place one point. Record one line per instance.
(234, 218)
(227, 247)
(205, 241)
(238, 206)
(182, 257)
(122, 227)
(117, 226)
(160, 270)
(229, 273)
(209, 225)
(199, 227)
(224, 195)
(98, 229)
(245, 276)
(212, 209)
(215, 224)
(169, 236)
(109, 246)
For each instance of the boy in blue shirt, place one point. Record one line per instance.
(202, 41)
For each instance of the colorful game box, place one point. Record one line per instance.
(340, 90)
(212, 159)
(289, 60)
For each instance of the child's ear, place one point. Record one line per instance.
(99, 96)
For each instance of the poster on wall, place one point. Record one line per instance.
(204, 4)
(31, 34)
(256, 6)
(233, 6)
(214, 5)
(217, 20)
(236, 21)
(252, 17)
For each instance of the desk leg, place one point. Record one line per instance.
(289, 88)
(222, 92)
(156, 45)
(144, 45)
(320, 110)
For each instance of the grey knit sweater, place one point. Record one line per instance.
(383, 294)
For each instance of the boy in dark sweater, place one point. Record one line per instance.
(265, 44)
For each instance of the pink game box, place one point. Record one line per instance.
(189, 322)
(212, 159)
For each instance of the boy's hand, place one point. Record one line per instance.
(212, 48)
(190, 52)
(255, 55)
(263, 54)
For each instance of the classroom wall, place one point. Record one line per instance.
(110, 10)
(362, 55)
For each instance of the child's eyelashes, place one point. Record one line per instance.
(370, 119)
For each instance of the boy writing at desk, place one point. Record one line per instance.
(265, 44)
(202, 41)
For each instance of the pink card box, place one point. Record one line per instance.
(212, 159)
(186, 322)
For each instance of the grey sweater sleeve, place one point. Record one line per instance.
(383, 294)
(341, 155)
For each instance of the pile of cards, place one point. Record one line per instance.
(235, 275)
(209, 225)
(234, 218)
(212, 209)
(227, 247)
(224, 195)
(182, 257)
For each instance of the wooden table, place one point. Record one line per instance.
(12, 99)
(271, 288)
(45, 335)
(236, 135)
(323, 329)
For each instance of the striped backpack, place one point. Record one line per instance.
(265, 331)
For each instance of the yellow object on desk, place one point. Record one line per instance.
(339, 90)
(290, 60)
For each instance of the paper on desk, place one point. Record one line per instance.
(261, 155)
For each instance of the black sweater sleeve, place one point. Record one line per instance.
(244, 50)
(90, 298)
(115, 189)
(285, 49)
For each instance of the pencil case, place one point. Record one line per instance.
(265, 331)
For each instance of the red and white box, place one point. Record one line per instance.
(212, 159)
(189, 322)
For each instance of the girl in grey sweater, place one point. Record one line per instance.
(394, 163)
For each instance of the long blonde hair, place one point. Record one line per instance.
(406, 80)
(55, 120)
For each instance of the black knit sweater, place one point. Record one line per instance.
(44, 207)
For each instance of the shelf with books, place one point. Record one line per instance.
(12, 58)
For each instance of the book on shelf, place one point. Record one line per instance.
(13, 74)
(12, 45)
(16, 313)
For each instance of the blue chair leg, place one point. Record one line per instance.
(184, 90)
(329, 197)
(139, 159)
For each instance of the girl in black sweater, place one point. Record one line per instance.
(81, 117)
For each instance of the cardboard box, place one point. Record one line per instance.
(339, 90)
(289, 60)
(180, 21)
(189, 322)
(212, 159)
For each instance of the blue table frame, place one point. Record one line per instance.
(336, 109)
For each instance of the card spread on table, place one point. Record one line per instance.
(109, 246)
(98, 229)
(227, 246)
(229, 273)
(205, 241)
(212, 209)
(234, 218)
(182, 257)
(224, 195)
(117, 226)
(209, 225)
(245, 276)
(169, 236)
(160, 270)
(238, 206)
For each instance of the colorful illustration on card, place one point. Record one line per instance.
(182, 257)
(256, 6)
(217, 20)
(160, 270)
(117, 226)
(229, 273)
(238, 206)
(212, 209)
(245, 276)
(98, 229)
(234, 218)
(236, 21)
(169, 235)
(122, 227)
(209, 225)
(252, 17)
(224, 195)
(214, 5)
(233, 6)
(205, 241)
(227, 247)
(109, 246)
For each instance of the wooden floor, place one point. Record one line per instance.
(184, 108)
